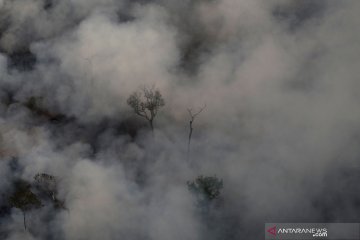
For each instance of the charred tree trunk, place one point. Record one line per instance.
(189, 140)
(192, 119)
(151, 126)
(24, 214)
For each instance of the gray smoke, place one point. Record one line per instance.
(280, 82)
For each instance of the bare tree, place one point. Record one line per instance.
(146, 103)
(192, 119)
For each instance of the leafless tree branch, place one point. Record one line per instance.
(192, 119)
(146, 103)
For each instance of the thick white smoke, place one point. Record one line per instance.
(280, 84)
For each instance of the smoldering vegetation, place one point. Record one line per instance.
(277, 142)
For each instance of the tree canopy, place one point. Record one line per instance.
(206, 187)
(146, 103)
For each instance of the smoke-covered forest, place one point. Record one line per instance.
(173, 120)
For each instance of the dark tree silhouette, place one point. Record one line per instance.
(206, 188)
(192, 119)
(46, 183)
(46, 186)
(24, 199)
(146, 103)
(207, 192)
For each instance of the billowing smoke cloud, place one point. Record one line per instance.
(280, 127)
